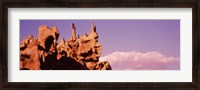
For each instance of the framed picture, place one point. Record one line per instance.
(100, 44)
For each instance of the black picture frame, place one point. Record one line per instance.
(194, 4)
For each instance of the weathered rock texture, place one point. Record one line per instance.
(77, 53)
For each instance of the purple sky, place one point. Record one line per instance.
(127, 44)
(119, 35)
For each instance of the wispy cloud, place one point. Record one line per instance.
(142, 61)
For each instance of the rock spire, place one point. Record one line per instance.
(76, 53)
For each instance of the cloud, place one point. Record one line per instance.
(142, 61)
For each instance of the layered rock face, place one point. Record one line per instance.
(76, 53)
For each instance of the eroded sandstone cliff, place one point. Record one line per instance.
(76, 53)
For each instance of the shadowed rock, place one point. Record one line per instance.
(76, 53)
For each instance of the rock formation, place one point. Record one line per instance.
(77, 53)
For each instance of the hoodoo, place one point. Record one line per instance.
(76, 53)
